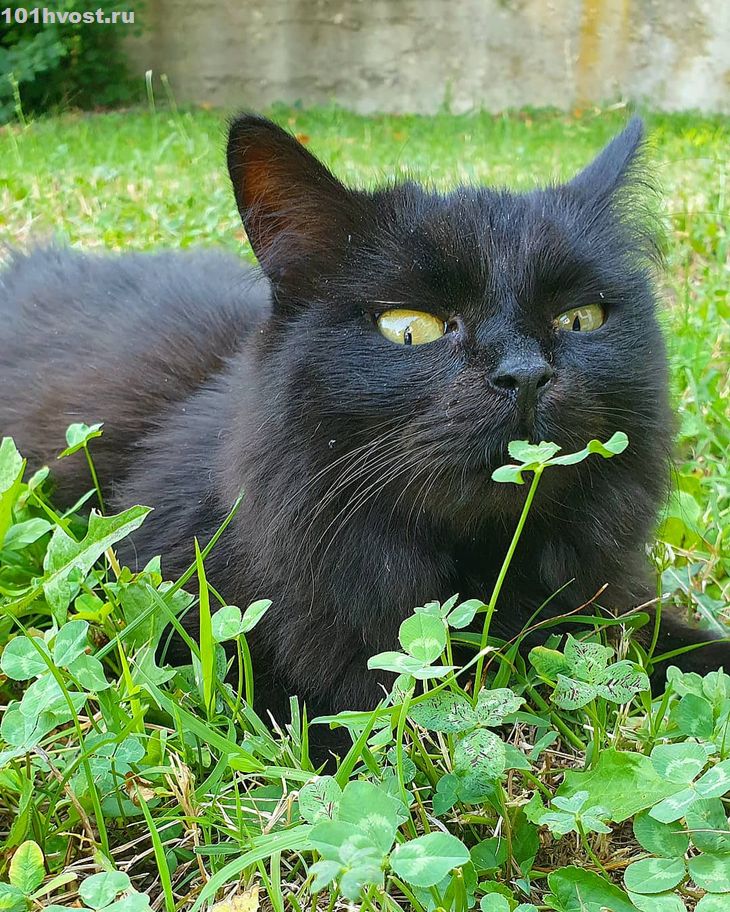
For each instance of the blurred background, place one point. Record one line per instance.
(421, 55)
(398, 56)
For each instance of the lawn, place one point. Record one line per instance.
(125, 784)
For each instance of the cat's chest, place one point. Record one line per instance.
(540, 565)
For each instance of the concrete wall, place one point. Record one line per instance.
(416, 55)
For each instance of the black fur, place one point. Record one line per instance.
(366, 465)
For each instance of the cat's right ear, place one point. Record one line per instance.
(296, 213)
(612, 169)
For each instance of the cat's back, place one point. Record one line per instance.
(119, 339)
(205, 289)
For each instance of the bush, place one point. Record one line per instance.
(44, 65)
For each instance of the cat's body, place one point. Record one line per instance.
(124, 340)
(365, 465)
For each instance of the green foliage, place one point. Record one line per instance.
(427, 860)
(360, 830)
(681, 764)
(46, 65)
(583, 673)
(571, 816)
(26, 875)
(80, 642)
(578, 890)
(533, 457)
(355, 844)
(78, 437)
(423, 637)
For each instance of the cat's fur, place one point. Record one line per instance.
(366, 465)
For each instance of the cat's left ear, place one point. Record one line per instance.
(609, 171)
(297, 215)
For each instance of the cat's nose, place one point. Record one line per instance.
(526, 376)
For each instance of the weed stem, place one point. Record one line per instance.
(501, 577)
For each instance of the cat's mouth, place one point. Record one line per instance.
(528, 421)
(529, 427)
(535, 426)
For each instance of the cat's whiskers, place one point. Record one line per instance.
(391, 459)
(425, 465)
(422, 468)
(363, 495)
(355, 456)
(364, 464)
(350, 508)
(425, 489)
(353, 507)
(353, 471)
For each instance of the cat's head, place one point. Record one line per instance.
(431, 329)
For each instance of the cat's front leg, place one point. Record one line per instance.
(712, 654)
(332, 686)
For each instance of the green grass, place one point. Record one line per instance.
(173, 781)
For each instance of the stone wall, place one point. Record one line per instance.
(418, 55)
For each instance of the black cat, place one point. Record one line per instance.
(361, 395)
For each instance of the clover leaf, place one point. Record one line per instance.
(582, 672)
(78, 436)
(535, 457)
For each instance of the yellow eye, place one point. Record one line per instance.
(581, 319)
(410, 327)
